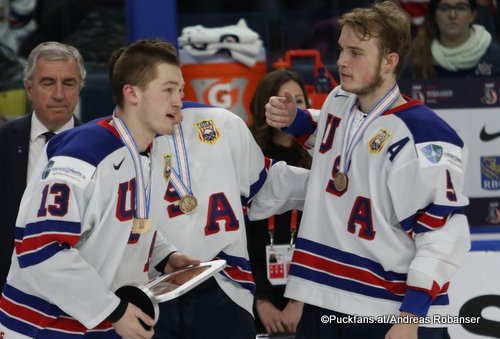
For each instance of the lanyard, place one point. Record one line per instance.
(293, 227)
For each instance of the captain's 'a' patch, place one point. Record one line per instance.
(207, 131)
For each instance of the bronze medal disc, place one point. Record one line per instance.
(141, 226)
(340, 181)
(188, 204)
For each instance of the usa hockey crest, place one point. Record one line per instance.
(167, 170)
(207, 131)
(376, 144)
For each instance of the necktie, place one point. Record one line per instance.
(48, 135)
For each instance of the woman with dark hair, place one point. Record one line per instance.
(274, 312)
(451, 45)
(273, 142)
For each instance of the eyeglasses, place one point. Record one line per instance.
(459, 8)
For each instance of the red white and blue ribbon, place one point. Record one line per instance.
(181, 180)
(143, 188)
(352, 137)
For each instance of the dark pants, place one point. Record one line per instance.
(311, 327)
(206, 312)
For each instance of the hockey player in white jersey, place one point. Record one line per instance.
(87, 221)
(383, 228)
(215, 168)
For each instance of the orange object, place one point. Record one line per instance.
(223, 83)
(308, 64)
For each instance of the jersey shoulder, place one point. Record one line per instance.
(425, 125)
(90, 142)
(196, 113)
(200, 109)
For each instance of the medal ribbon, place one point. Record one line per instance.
(349, 143)
(142, 191)
(182, 180)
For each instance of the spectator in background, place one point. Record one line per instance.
(450, 45)
(274, 312)
(95, 27)
(485, 13)
(16, 22)
(53, 78)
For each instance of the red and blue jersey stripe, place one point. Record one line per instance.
(350, 272)
(238, 269)
(41, 240)
(36, 318)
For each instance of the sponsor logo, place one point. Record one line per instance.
(417, 93)
(493, 216)
(207, 131)
(376, 144)
(485, 136)
(490, 173)
(490, 96)
(117, 167)
(484, 68)
(47, 169)
(226, 92)
(432, 153)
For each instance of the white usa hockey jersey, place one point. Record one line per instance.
(394, 237)
(74, 240)
(227, 168)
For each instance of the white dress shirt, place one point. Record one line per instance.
(37, 140)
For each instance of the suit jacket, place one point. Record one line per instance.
(14, 154)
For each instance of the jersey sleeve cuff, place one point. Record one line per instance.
(119, 311)
(303, 124)
(160, 267)
(416, 302)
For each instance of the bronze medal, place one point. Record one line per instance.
(340, 181)
(141, 226)
(188, 204)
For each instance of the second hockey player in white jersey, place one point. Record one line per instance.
(383, 227)
(215, 168)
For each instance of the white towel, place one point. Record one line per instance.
(238, 40)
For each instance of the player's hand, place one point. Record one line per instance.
(291, 315)
(270, 316)
(179, 260)
(403, 331)
(129, 326)
(281, 111)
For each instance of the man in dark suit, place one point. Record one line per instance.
(53, 77)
